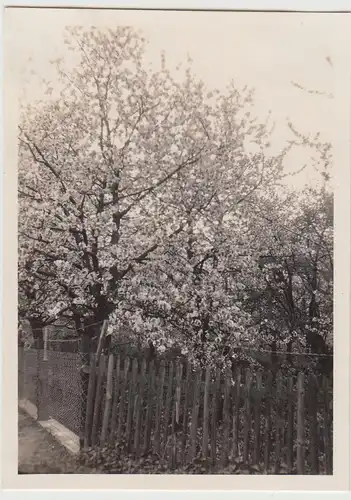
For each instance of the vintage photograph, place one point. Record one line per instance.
(175, 246)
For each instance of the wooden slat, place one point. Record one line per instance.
(247, 420)
(150, 405)
(168, 404)
(98, 397)
(327, 424)
(300, 450)
(178, 393)
(187, 399)
(115, 399)
(290, 427)
(278, 425)
(121, 418)
(195, 415)
(176, 414)
(268, 424)
(90, 402)
(226, 419)
(108, 400)
(236, 412)
(131, 399)
(159, 407)
(257, 423)
(216, 387)
(313, 425)
(206, 413)
(139, 408)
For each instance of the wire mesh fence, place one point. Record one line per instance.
(52, 385)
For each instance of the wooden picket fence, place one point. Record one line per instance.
(282, 423)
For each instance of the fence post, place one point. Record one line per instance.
(84, 379)
(21, 369)
(40, 388)
(44, 375)
(300, 424)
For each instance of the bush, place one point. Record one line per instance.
(115, 459)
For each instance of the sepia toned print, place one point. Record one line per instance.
(175, 254)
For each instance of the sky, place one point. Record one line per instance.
(266, 51)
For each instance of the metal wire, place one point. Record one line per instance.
(53, 386)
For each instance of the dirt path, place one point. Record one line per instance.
(39, 452)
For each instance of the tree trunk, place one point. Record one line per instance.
(37, 326)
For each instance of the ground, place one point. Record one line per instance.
(38, 451)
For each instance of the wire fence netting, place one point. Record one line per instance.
(52, 385)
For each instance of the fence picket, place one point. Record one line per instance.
(176, 414)
(327, 434)
(290, 429)
(278, 425)
(300, 448)
(268, 424)
(108, 400)
(139, 408)
(90, 402)
(174, 410)
(178, 393)
(226, 419)
(131, 400)
(159, 407)
(257, 422)
(168, 405)
(216, 386)
(123, 398)
(149, 408)
(98, 398)
(206, 412)
(195, 415)
(247, 420)
(313, 425)
(115, 398)
(236, 412)
(186, 409)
